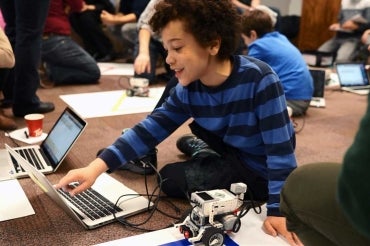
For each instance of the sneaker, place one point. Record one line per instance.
(191, 146)
(142, 165)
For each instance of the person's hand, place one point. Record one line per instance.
(334, 27)
(275, 226)
(142, 63)
(350, 25)
(365, 37)
(85, 176)
(86, 7)
(107, 18)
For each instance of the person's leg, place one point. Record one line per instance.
(130, 36)
(207, 170)
(67, 62)
(299, 107)
(30, 19)
(331, 45)
(88, 26)
(308, 200)
(197, 174)
(348, 50)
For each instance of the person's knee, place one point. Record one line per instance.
(172, 181)
(306, 182)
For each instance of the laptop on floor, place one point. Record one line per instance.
(94, 207)
(47, 156)
(353, 77)
(318, 99)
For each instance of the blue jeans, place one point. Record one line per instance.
(67, 62)
(25, 22)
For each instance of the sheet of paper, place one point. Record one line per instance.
(250, 233)
(107, 68)
(14, 202)
(109, 103)
(20, 134)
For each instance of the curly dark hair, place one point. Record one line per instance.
(206, 20)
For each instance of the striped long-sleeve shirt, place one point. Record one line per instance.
(248, 112)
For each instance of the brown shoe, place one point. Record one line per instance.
(7, 124)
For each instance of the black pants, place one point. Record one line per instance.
(207, 172)
(88, 26)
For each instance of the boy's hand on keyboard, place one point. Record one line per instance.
(85, 176)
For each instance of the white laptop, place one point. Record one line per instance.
(318, 99)
(353, 77)
(94, 207)
(51, 152)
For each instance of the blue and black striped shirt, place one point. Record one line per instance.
(248, 111)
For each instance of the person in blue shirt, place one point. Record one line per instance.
(285, 59)
(236, 102)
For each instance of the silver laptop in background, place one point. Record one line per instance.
(318, 99)
(353, 77)
(94, 207)
(47, 156)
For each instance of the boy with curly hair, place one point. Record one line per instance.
(237, 104)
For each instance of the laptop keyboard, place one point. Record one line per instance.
(31, 156)
(91, 203)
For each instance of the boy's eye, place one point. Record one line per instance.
(177, 48)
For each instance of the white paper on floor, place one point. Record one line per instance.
(110, 68)
(110, 103)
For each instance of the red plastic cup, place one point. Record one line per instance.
(34, 124)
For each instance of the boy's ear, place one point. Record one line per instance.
(253, 35)
(215, 47)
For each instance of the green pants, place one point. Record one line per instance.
(308, 200)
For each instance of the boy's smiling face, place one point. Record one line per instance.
(186, 57)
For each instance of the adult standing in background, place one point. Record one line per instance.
(64, 61)
(25, 21)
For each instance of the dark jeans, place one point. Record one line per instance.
(67, 62)
(207, 172)
(24, 26)
(308, 200)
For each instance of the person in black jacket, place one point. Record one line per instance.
(88, 26)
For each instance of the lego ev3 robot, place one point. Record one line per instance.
(214, 213)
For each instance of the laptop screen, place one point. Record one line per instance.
(318, 77)
(352, 74)
(62, 136)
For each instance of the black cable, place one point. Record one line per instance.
(153, 198)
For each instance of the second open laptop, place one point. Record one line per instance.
(51, 152)
(318, 99)
(94, 207)
(353, 77)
